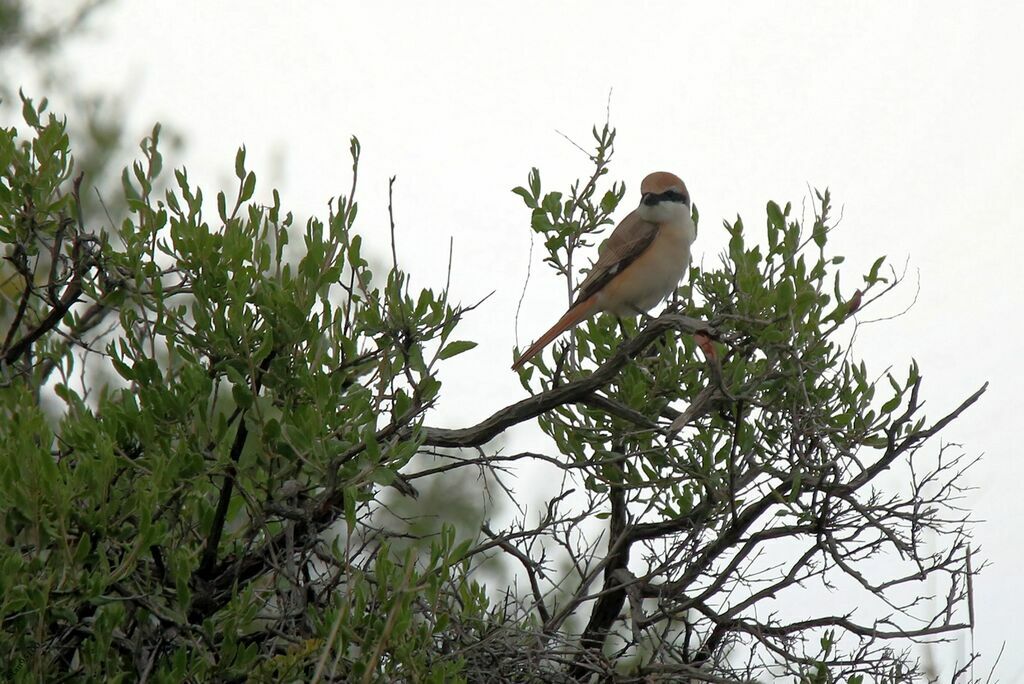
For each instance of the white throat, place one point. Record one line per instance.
(664, 212)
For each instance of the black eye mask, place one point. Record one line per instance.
(651, 199)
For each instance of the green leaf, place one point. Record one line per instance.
(552, 204)
(382, 476)
(784, 295)
(370, 440)
(248, 187)
(533, 180)
(818, 233)
(775, 216)
(872, 276)
(242, 396)
(130, 192)
(456, 348)
(891, 405)
(609, 201)
(28, 111)
(240, 163)
(527, 197)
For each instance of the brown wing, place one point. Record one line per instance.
(629, 239)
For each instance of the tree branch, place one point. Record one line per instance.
(572, 392)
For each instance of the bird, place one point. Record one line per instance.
(641, 262)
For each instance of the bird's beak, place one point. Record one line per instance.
(649, 199)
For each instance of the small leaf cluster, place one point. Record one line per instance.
(569, 221)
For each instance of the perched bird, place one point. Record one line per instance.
(641, 263)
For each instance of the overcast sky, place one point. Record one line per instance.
(910, 113)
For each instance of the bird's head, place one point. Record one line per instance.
(664, 198)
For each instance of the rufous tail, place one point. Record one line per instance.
(572, 318)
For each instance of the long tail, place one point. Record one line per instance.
(572, 318)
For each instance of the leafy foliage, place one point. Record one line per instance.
(784, 437)
(202, 408)
(152, 505)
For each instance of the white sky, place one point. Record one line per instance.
(910, 113)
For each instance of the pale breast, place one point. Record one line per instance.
(653, 275)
